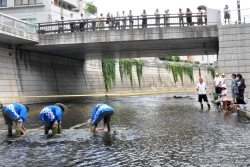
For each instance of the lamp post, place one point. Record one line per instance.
(239, 15)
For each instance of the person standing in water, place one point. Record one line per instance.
(52, 115)
(201, 88)
(223, 96)
(99, 112)
(15, 113)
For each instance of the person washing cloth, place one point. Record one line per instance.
(99, 112)
(15, 113)
(239, 103)
(51, 116)
(201, 88)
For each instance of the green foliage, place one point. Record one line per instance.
(212, 70)
(169, 58)
(197, 62)
(90, 8)
(179, 70)
(176, 58)
(108, 71)
(139, 64)
(163, 58)
(199, 71)
(125, 67)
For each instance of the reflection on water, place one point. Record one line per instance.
(162, 132)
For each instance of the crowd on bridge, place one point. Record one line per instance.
(122, 21)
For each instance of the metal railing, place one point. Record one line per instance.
(120, 23)
(232, 16)
(9, 22)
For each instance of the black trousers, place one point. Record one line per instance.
(218, 90)
(72, 27)
(82, 25)
(144, 23)
(241, 92)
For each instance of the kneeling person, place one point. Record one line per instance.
(51, 116)
(239, 103)
(15, 113)
(99, 112)
(201, 88)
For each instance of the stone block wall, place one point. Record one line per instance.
(234, 52)
(26, 73)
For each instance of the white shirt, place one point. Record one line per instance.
(222, 81)
(71, 19)
(92, 17)
(217, 80)
(201, 88)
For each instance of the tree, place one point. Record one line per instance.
(90, 8)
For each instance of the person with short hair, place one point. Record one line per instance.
(131, 21)
(93, 21)
(99, 112)
(166, 18)
(157, 17)
(108, 21)
(239, 103)
(72, 24)
(51, 116)
(201, 88)
(223, 96)
(60, 25)
(124, 22)
(15, 113)
(101, 24)
(217, 83)
(199, 18)
(117, 22)
(241, 85)
(226, 14)
(82, 23)
(234, 87)
(181, 14)
(144, 19)
(189, 17)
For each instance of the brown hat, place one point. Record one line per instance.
(65, 109)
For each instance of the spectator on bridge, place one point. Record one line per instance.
(82, 23)
(15, 113)
(234, 87)
(189, 17)
(166, 18)
(112, 21)
(200, 13)
(144, 19)
(217, 83)
(51, 116)
(109, 20)
(61, 25)
(99, 112)
(93, 20)
(239, 103)
(241, 85)
(117, 22)
(205, 16)
(201, 88)
(181, 14)
(72, 20)
(130, 17)
(157, 17)
(226, 14)
(124, 22)
(101, 23)
(223, 96)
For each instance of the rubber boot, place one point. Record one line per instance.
(92, 128)
(208, 106)
(19, 127)
(202, 106)
(59, 128)
(46, 129)
(9, 133)
(55, 128)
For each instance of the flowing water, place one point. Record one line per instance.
(162, 131)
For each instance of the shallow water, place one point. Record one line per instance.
(162, 131)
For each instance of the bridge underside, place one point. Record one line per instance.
(131, 49)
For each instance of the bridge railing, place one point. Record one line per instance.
(233, 16)
(119, 23)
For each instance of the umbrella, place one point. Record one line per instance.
(202, 7)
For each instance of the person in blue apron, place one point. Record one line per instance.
(52, 115)
(99, 112)
(15, 113)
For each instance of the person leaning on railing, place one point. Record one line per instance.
(189, 17)
(200, 13)
(117, 22)
(72, 20)
(60, 25)
(101, 23)
(157, 15)
(124, 17)
(82, 23)
(166, 18)
(130, 17)
(181, 14)
(144, 19)
(93, 20)
(108, 21)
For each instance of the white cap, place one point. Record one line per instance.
(223, 86)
